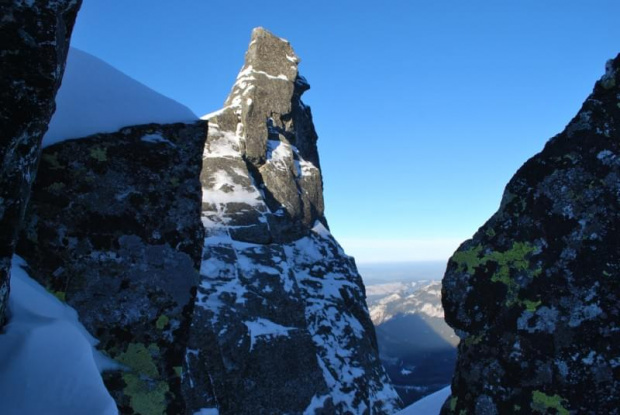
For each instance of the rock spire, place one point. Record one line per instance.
(280, 323)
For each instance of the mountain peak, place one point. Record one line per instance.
(271, 54)
(274, 139)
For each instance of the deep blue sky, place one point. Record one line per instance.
(424, 109)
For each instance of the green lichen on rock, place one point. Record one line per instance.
(514, 259)
(453, 401)
(542, 402)
(468, 260)
(61, 295)
(138, 358)
(147, 392)
(531, 305)
(99, 153)
(539, 279)
(146, 398)
(162, 322)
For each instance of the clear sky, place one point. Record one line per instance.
(424, 109)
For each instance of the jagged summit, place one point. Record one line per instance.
(266, 132)
(280, 321)
(271, 55)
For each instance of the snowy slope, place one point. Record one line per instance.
(430, 405)
(47, 361)
(95, 97)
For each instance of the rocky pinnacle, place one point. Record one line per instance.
(272, 134)
(280, 323)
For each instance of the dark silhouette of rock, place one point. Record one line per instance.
(534, 295)
(113, 228)
(34, 40)
(280, 323)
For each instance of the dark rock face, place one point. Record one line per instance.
(113, 228)
(280, 322)
(34, 40)
(535, 294)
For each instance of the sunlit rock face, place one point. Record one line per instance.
(280, 322)
(113, 228)
(534, 294)
(34, 40)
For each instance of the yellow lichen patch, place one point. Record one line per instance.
(516, 258)
(542, 402)
(61, 295)
(453, 401)
(468, 260)
(146, 391)
(145, 398)
(162, 322)
(99, 153)
(139, 358)
(531, 305)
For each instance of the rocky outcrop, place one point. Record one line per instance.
(113, 228)
(280, 322)
(534, 295)
(34, 40)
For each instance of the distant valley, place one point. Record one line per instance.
(417, 347)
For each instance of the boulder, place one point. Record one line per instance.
(113, 228)
(534, 295)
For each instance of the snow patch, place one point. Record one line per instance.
(48, 363)
(261, 327)
(97, 98)
(429, 405)
(207, 411)
(157, 138)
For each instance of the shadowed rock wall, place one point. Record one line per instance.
(34, 40)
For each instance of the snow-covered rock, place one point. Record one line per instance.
(48, 364)
(97, 98)
(280, 323)
(429, 405)
(113, 227)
